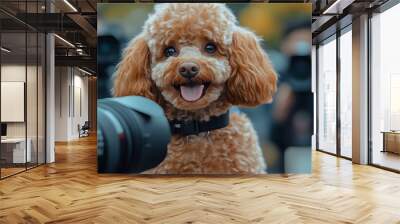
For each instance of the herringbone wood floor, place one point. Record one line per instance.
(70, 191)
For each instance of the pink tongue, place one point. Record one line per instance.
(192, 93)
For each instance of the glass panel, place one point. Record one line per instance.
(23, 89)
(31, 98)
(32, 88)
(13, 87)
(385, 84)
(346, 94)
(327, 96)
(41, 98)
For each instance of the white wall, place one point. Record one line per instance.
(12, 73)
(62, 81)
(80, 102)
(33, 126)
(71, 102)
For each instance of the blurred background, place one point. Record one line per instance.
(283, 126)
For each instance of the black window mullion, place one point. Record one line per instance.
(338, 77)
(317, 96)
(37, 90)
(369, 100)
(26, 87)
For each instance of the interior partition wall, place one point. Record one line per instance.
(334, 93)
(23, 88)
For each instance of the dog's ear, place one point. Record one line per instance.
(253, 79)
(132, 76)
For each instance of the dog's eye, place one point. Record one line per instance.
(210, 48)
(170, 51)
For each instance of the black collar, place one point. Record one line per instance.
(194, 127)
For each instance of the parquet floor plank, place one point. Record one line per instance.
(71, 191)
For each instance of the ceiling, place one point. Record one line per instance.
(74, 22)
(332, 15)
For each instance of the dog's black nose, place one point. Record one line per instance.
(188, 69)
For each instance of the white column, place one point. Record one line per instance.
(360, 90)
(50, 99)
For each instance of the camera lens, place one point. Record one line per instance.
(133, 134)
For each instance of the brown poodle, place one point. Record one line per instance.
(196, 62)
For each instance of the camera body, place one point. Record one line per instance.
(133, 134)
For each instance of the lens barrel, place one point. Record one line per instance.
(133, 134)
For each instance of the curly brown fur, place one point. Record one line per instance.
(237, 73)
